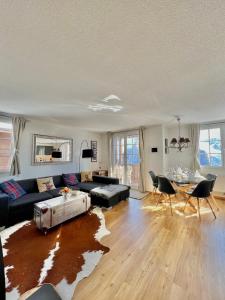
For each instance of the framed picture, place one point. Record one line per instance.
(94, 148)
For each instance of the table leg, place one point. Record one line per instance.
(191, 204)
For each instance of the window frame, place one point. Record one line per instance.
(221, 126)
(8, 120)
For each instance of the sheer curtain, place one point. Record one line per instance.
(194, 134)
(19, 124)
(109, 146)
(126, 158)
(141, 186)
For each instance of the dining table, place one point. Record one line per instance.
(184, 183)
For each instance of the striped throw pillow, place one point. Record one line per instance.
(12, 188)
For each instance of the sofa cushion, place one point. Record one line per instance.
(70, 179)
(58, 181)
(29, 199)
(29, 185)
(45, 184)
(88, 186)
(86, 176)
(12, 188)
(105, 179)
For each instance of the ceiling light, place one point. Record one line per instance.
(180, 142)
(105, 107)
(111, 98)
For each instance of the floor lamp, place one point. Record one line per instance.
(86, 153)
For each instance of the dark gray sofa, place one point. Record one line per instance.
(12, 212)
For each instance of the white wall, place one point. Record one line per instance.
(153, 161)
(47, 128)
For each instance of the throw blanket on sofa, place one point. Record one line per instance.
(109, 191)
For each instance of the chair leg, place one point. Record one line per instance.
(211, 207)
(159, 199)
(214, 201)
(171, 209)
(199, 209)
(186, 203)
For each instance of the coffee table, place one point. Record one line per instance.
(55, 211)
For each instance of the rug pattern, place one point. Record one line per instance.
(66, 255)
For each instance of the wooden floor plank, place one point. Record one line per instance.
(154, 255)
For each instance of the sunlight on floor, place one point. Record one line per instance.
(177, 209)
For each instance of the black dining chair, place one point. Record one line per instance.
(45, 292)
(154, 181)
(201, 191)
(165, 187)
(212, 178)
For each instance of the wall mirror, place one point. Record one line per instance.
(51, 149)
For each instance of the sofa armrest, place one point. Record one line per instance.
(4, 209)
(105, 179)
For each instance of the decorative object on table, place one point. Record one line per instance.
(51, 149)
(85, 153)
(76, 243)
(180, 142)
(66, 192)
(86, 176)
(94, 149)
(45, 184)
(75, 192)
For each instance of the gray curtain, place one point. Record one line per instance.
(141, 187)
(109, 141)
(19, 124)
(194, 134)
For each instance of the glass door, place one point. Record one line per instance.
(125, 158)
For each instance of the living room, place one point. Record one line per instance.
(112, 161)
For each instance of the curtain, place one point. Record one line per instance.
(142, 160)
(109, 146)
(194, 134)
(19, 124)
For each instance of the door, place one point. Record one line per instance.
(125, 158)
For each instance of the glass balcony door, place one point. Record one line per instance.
(125, 158)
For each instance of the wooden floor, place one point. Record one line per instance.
(154, 255)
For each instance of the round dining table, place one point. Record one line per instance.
(185, 183)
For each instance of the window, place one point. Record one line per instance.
(5, 144)
(125, 157)
(210, 147)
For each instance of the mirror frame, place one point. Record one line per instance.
(35, 136)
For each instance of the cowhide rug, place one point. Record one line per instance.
(66, 255)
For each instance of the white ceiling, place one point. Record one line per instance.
(160, 57)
